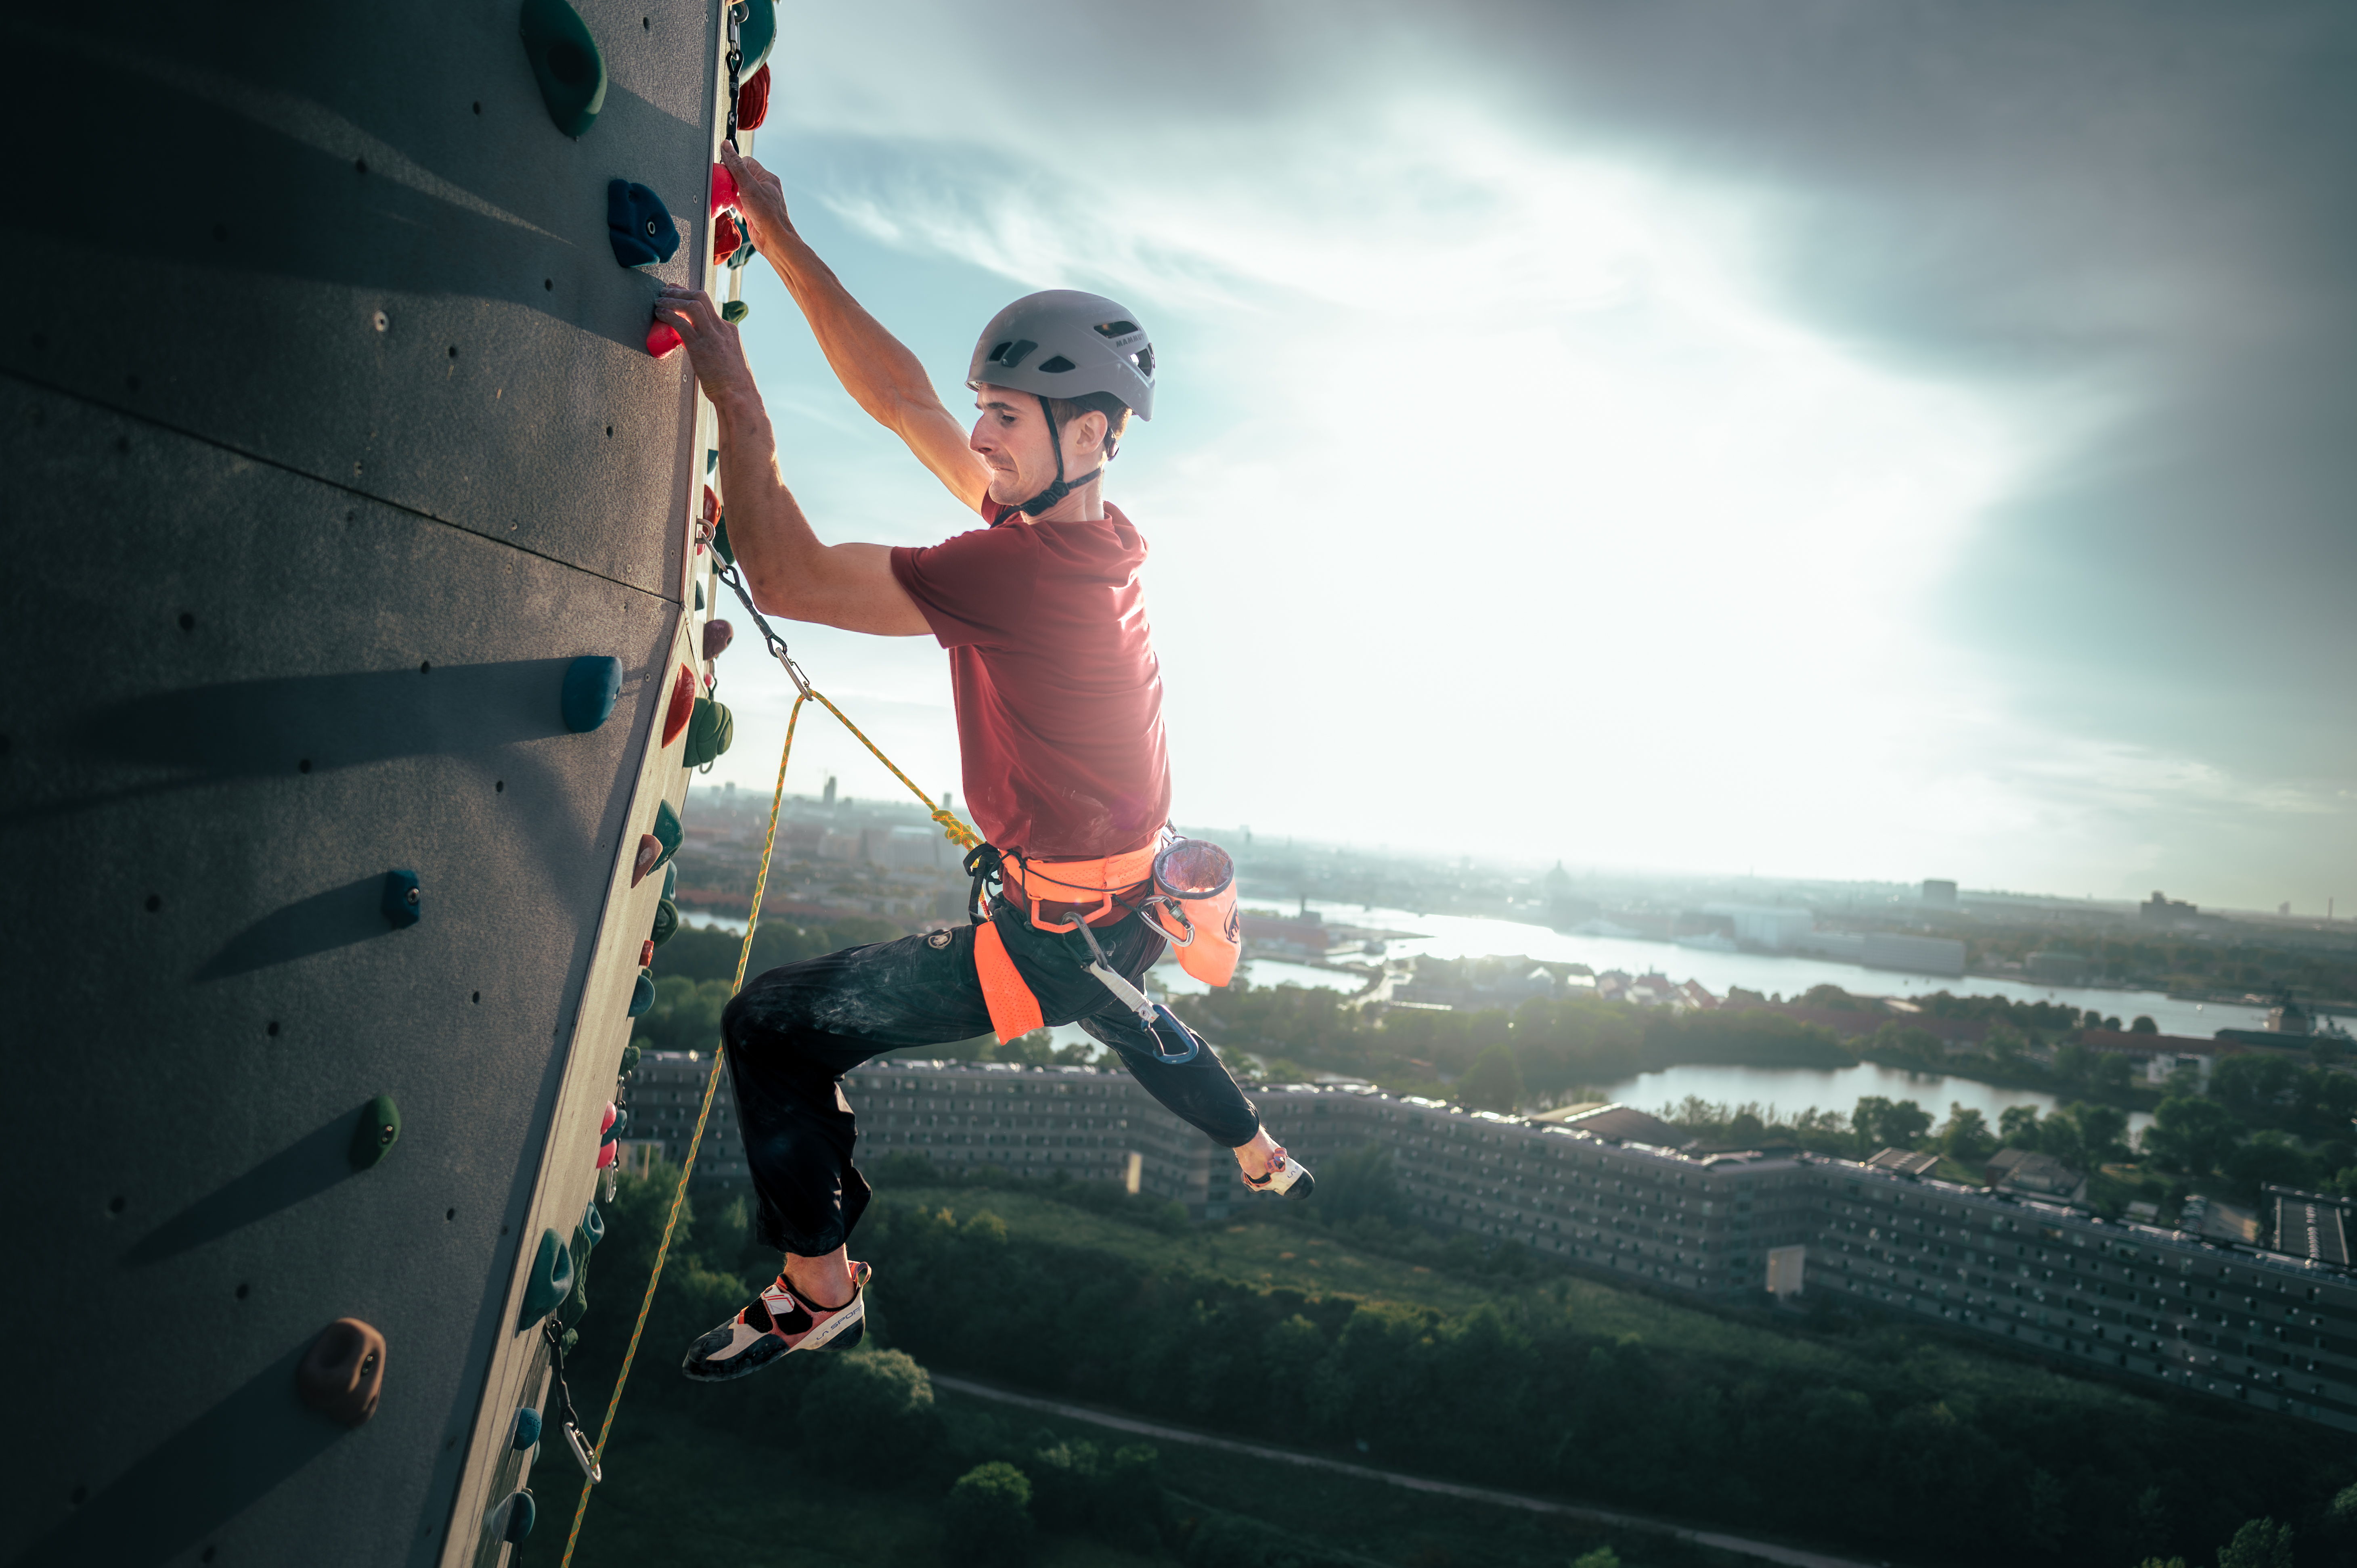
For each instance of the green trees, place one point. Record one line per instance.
(2261, 1543)
(1965, 1137)
(2191, 1134)
(1495, 1083)
(1881, 1123)
(1361, 1185)
(2269, 1157)
(989, 1515)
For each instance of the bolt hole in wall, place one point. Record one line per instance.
(187, 621)
(302, 765)
(271, 1028)
(499, 786)
(115, 1205)
(155, 902)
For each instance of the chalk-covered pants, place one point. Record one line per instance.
(793, 1032)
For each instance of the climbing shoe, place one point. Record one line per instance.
(1287, 1177)
(773, 1326)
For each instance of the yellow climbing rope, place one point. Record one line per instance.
(958, 834)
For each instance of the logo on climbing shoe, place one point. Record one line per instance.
(1236, 925)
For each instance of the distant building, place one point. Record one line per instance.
(2162, 910)
(2033, 1174)
(2288, 1017)
(1904, 1161)
(1939, 892)
(2057, 966)
(2157, 1056)
(1913, 955)
(1777, 928)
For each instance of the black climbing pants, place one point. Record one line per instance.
(793, 1032)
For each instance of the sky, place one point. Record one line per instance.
(1873, 439)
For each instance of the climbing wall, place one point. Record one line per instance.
(332, 444)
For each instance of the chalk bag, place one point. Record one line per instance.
(735, 311)
(550, 1282)
(667, 828)
(378, 1127)
(681, 708)
(512, 1519)
(591, 685)
(639, 225)
(527, 1428)
(343, 1371)
(717, 635)
(593, 1224)
(642, 995)
(666, 920)
(402, 902)
(564, 62)
(662, 340)
(711, 730)
(753, 98)
(650, 856)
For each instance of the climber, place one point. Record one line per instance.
(1057, 697)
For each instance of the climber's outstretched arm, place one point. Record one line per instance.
(874, 367)
(787, 570)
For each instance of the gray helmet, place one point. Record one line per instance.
(1063, 343)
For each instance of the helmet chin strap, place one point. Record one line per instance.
(1062, 487)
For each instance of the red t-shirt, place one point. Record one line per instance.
(1058, 694)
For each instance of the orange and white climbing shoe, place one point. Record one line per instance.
(1287, 1177)
(773, 1326)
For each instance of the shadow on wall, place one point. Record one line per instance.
(308, 1166)
(195, 1480)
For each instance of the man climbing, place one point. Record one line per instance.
(1058, 709)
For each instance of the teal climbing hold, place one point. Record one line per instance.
(373, 1137)
(666, 923)
(630, 1060)
(593, 1224)
(527, 1428)
(642, 995)
(711, 730)
(671, 880)
(550, 1282)
(667, 828)
(740, 255)
(402, 902)
(638, 225)
(735, 310)
(699, 593)
(591, 685)
(566, 62)
(722, 551)
(711, 458)
(521, 1516)
(757, 35)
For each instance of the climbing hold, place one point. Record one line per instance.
(711, 458)
(647, 954)
(663, 340)
(736, 310)
(666, 922)
(757, 34)
(699, 595)
(753, 100)
(343, 1371)
(741, 254)
(527, 1428)
(725, 237)
(642, 995)
(671, 880)
(722, 551)
(593, 1224)
(717, 635)
(710, 731)
(522, 1515)
(711, 506)
(682, 706)
(550, 1282)
(566, 62)
(607, 1154)
(373, 1139)
(402, 901)
(638, 225)
(610, 1125)
(724, 189)
(650, 856)
(591, 685)
(667, 828)
(630, 1061)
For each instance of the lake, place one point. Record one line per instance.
(1792, 1089)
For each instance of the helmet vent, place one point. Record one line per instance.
(1116, 328)
(1012, 354)
(1057, 365)
(1143, 360)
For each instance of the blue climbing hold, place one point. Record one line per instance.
(639, 225)
(402, 902)
(564, 62)
(549, 1283)
(593, 1224)
(668, 831)
(591, 685)
(521, 1517)
(642, 995)
(527, 1428)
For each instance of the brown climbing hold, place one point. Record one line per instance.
(717, 635)
(342, 1373)
(649, 854)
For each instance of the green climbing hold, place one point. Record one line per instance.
(630, 1060)
(379, 1125)
(666, 922)
(699, 593)
(711, 730)
(549, 1283)
(642, 995)
(671, 880)
(668, 831)
(711, 458)
(735, 310)
(566, 62)
(722, 551)
(593, 1224)
(757, 35)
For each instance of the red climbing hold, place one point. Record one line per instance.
(650, 856)
(725, 237)
(342, 1373)
(717, 635)
(662, 339)
(646, 952)
(724, 188)
(682, 705)
(753, 101)
(711, 505)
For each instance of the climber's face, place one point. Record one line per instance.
(1011, 436)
